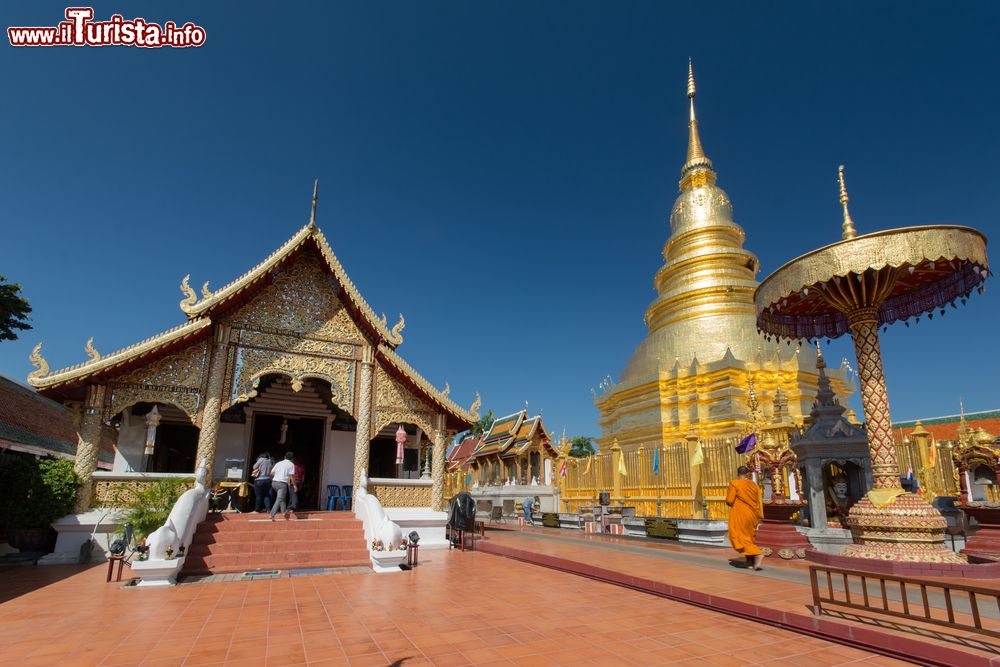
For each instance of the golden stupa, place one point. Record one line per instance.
(691, 373)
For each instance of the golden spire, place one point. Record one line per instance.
(849, 231)
(312, 214)
(697, 170)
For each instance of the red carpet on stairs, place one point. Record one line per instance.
(249, 542)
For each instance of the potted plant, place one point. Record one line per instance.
(36, 491)
(151, 506)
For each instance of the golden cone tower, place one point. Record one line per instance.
(691, 372)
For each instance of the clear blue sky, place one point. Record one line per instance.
(500, 172)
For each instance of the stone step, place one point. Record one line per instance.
(328, 546)
(288, 561)
(279, 523)
(259, 536)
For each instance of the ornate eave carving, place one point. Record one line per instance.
(107, 362)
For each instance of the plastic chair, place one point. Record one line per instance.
(345, 497)
(331, 501)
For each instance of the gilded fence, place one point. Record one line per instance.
(666, 492)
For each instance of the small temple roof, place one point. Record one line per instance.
(512, 435)
(461, 453)
(33, 424)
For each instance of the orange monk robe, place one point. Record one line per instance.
(744, 499)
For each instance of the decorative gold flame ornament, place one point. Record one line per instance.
(91, 350)
(857, 285)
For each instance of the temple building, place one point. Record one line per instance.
(514, 459)
(690, 374)
(289, 356)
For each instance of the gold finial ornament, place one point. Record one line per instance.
(446, 390)
(476, 404)
(697, 169)
(849, 231)
(91, 350)
(205, 292)
(190, 298)
(41, 366)
(312, 214)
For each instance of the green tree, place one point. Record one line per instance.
(479, 428)
(582, 447)
(14, 310)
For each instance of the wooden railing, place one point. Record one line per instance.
(874, 589)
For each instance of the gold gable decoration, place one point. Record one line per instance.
(176, 379)
(396, 403)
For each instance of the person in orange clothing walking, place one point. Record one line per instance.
(744, 499)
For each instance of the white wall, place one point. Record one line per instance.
(131, 446)
(230, 444)
(338, 461)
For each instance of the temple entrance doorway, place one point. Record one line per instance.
(276, 435)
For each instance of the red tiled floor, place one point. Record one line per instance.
(455, 609)
(783, 586)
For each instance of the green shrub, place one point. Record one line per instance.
(36, 491)
(152, 505)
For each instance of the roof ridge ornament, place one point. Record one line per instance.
(190, 298)
(91, 350)
(849, 231)
(315, 202)
(474, 410)
(205, 292)
(41, 366)
(447, 390)
(397, 331)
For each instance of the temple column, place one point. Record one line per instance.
(88, 445)
(437, 471)
(211, 412)
(362, 438)
(817, 496)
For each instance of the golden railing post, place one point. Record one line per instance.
(616, 455)
(697, 490)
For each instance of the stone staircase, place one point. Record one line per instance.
(251, 542)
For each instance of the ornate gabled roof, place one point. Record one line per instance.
(527, 432)
(501, 434)
(211, 301)
(396, 362)
(41, 378)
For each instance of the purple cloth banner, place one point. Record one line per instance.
(746, 444)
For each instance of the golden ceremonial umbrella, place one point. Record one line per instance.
(855, 286)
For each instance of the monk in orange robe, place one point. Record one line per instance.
(744, 499)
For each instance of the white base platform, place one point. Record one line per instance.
(75, 529)
(155, 573)
(387, 561)
(703, 531)
(428, 524)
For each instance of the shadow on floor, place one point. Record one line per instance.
(969, 642)
(14, 583)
